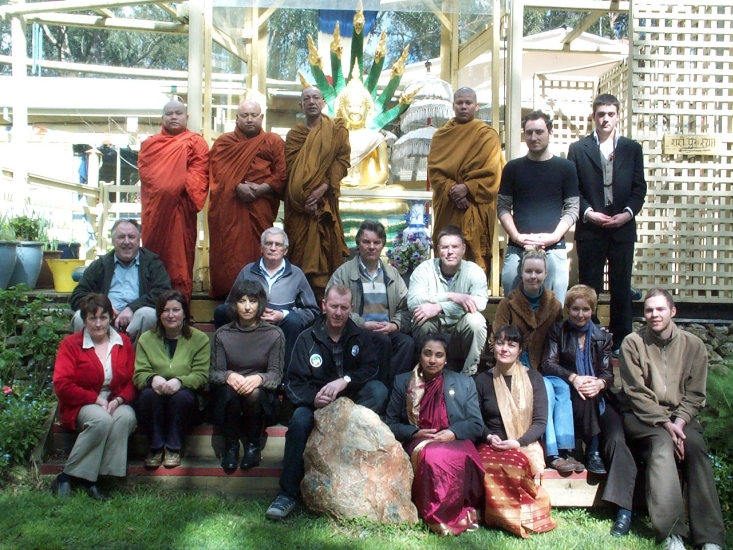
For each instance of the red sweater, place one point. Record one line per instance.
(78, 376)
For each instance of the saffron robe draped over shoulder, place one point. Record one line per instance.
(314, 156)
(467, 153)
(235, 227)
(174, 173)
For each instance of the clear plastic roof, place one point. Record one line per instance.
(454, 6)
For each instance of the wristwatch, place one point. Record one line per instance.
(347, 379)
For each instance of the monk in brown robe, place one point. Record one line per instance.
(317, 154)
(247, 181)
(464, 170)
(174, 173)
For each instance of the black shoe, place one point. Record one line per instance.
(61, 488)
(230, 456)
(621, 526)
(94, 492)
(252, 456)
(594, 464)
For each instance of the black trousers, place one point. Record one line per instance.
(167, 418)
(244, 417)
(592, 257)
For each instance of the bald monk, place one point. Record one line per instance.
(464, 169)
(174, 173)
(317, 154)
(247, 180)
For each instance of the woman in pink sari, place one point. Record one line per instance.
(513, 403)
(435, 414)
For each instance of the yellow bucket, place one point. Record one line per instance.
(62, 270)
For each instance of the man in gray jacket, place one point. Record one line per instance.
(379, 302)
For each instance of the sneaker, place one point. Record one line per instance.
(281, 507)
(154, 458)
(711, 546)
(172, 459)
(674, 542)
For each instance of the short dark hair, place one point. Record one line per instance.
(375, 227)
(441, 337)
(168, 296)
(251, 289)
(92, 302)
(537, 115)
(657, 291)
(451, 231)
(125, 220)
(510, 333)
(606, 99)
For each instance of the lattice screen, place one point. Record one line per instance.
(682, 82)
(570, 102)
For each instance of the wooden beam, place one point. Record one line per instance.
(112, 23)
(168, 9)
(476, 45)
(66, 5)
(104, 12)
(438, 13)
(262, 19)
(603, 6)
(233, 46)
(583, 26)
(621, 49)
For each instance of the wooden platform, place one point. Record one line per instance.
(201, 470)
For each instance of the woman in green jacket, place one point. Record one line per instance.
(171, 369)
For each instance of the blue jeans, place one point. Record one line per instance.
(560, 432)
(558, 271)
(372, 396)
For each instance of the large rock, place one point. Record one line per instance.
(354, 467)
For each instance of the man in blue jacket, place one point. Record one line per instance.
(334, 358)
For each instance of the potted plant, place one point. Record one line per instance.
(50, 252)
(8, 251)
(30, 231)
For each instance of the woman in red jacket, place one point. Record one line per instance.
(93, 382)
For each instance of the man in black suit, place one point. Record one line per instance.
(612, 189)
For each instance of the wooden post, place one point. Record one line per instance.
(513, 110)
(20, 105)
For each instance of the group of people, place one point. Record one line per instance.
(297, 318)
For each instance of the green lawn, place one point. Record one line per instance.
(147, 517)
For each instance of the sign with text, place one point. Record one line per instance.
(691, 144)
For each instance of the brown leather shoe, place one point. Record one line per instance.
(562, 466)
(172, 459)
(579, 466)
(154, 459)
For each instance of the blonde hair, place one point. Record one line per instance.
(534, 252)
(582, 292)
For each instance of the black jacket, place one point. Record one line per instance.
(629, 186)
(312, 364)
(461, 400)
(561, 345)
(98, 278)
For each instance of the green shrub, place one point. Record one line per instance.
(717, 416)
(723, 472)
(21, 424)
(30, 333)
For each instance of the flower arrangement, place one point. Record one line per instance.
(409, 251)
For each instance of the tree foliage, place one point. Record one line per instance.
(287, 42)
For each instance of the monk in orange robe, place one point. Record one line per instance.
(174, 173)
(247, 178)
(464, 170)
(318, 155)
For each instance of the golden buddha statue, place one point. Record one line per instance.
(369, 156)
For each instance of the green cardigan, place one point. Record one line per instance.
(190, 363)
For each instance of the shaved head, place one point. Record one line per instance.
(311, 103)
(465, 105)
(175, 117)
(249, 118)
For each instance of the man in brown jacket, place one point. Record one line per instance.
(664, 373)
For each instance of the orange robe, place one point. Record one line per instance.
(467, 153)
(234, 226)
(319, 155)
(174, 173)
